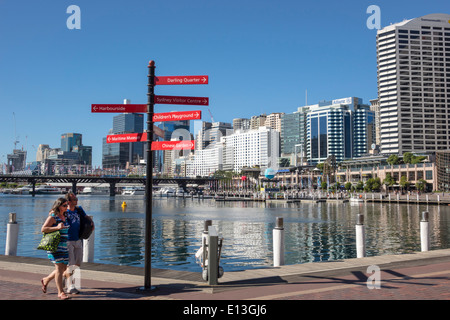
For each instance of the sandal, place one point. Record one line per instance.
(63, 296)
(44, 286)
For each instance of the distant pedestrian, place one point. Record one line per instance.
(75, 244)
(57, 221)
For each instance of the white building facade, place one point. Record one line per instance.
(413, 61)
(258, 147)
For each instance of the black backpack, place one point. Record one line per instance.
(86, 225)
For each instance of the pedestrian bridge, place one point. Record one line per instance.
(111, 180)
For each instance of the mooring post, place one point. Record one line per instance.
(12, 236)
(88, 247)
(424, 232)
(360, 237)
(213, 256)
(278, 243)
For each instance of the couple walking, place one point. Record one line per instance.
(65, 217)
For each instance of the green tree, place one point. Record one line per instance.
(404, 183)
(348, 186)
(388, 181)
(359, 186)
(372, 184)
(417, 159)
(407, 157)
(324, 185)
(320, 166)
(421, 184)
(393, 159)
(410, 158)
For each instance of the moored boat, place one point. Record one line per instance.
(46, 189)
(133, 191)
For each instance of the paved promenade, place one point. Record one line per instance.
(417, 276)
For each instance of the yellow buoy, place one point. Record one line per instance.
(124, 204)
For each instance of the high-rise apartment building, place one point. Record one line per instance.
(210, 134)
(241, 124)
(259, 147)
(413, 59)
(273, 121)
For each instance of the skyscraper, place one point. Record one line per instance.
(70, 140)
(413, 59)
(343, 128)
(119, 154)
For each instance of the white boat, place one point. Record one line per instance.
(133, 191)
(95, 190)
(166, 192)
(23, 190)
(180, 192)
(45, 189)
(356, 199)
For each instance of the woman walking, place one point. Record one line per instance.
(57, 221)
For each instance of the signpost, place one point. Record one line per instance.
(152, 99)
(173, 145)
(156, 145)
(119, 108)
(181, 80)
(193, 101)
(126, 137)
(177, 116)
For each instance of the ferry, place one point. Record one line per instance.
(133, 191)
(95, 190)
(23, 190)
(45, 189)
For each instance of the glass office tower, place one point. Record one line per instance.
(344, 128)
(117, 155)
(329, 132)
(70, 140)
(293, 131)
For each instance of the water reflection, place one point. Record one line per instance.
(313, 232)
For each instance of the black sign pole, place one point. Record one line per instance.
(149, 177)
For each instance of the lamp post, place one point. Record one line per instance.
(149, 177)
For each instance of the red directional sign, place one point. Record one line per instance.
(198, 101)
(173, 145)
(131, 108)
(133, 137)
(126, 137)
(174, 116)
(181, 80)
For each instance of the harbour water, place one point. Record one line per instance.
(313, 231)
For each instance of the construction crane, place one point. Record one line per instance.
(15, 133)
(210, 114)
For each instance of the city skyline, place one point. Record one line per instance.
(261, 57)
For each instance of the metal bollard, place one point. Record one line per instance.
(360, 237)
(278, 243)
(424, 232)
(12, 236)
(213, 258)
(88, 247)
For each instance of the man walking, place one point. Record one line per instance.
(74, 243)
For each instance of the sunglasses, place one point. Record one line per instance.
(65, 205)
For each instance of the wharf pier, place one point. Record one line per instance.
(427, 199)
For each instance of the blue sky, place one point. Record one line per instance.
(260, 56)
